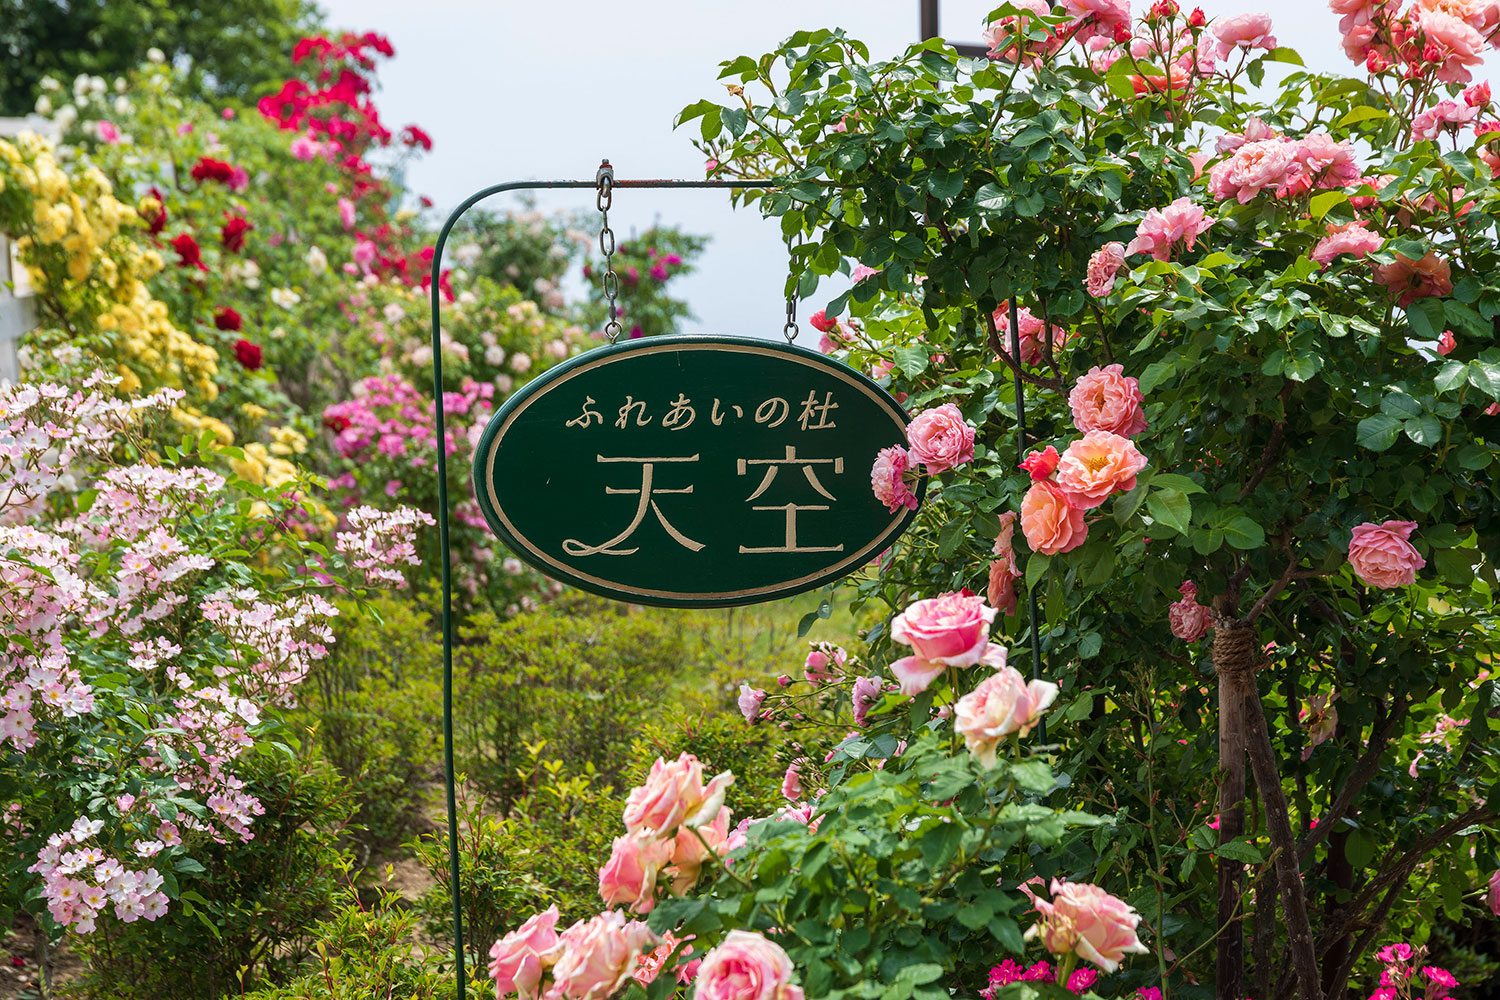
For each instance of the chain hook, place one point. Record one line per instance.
(605, 179)
(789, 329)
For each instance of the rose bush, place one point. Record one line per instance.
(1255, 332)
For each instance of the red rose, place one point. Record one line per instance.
(157, 221)
(228, 319)
(188, 253)
(248, 354)
(820, 322)
(413, 136)
(209, 169)
(233, 233)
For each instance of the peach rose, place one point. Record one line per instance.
(1381, 556)
(593, 958)
(1003, 703)
(1351, 238)
(1085, 920)
(940, 438)
(1243, 31)
(516, 962)
(1189, 620)
(1106, 400)
(1097, 465)
(1050, 521)
(746, 966)
(688, 852)
(629, 876)
(1454, 42)
(673, 794)
(952, 630)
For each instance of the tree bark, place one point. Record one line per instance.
(1232, 659)
(1283, 844)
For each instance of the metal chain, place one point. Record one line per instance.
(789, 330)
(611, 281)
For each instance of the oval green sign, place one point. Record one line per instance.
(692, 471)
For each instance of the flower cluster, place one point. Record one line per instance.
(380, 542)
(938, 440)
(1405, 976)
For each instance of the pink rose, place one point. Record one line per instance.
(1444, 115)
(866, 692)
(1381, 556)
(1494, 894)
(1243, 31)
(1162, 229)
(1050, 521)
(1409, 280)
(1001, 593)
(108, 133)
(888, 479)
(673, 794)
(1002, 36)
(1099, 17)
(364, 254)
(1447, 343)
(749, 701)
(1454, 45)
(1003, 703)
(595, 957)
(940, 438)
(1351, 238)
(1031, 331)
(516, 962)
(346, 213)
(952, 630)
(1041, 464)
(629, 876)
(1085, 920)
(1190, 620)
(824, 663)
(1256, 130)
(861, 272)
(1096, 466)
(1103, 266)
(1106, 400)
(791, 783)
(1254, 167)
(689, 852)
(1322, 160)
(746, 966)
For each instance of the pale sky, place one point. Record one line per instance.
(512, 90)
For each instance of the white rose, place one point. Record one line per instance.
(43, 105)
(394, 313)
(317, 260)
(494, 355)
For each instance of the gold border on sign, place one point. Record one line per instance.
(858, 558)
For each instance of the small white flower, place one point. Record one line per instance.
(43, 105)
(156, 55)
(317, 260)
(495, 355)
(123, 106)
(285, 297)
(467, 254)
(393, 312)
(66, 116)
(49, 83)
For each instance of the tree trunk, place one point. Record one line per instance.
(1233, 661)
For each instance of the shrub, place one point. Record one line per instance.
(248, 909)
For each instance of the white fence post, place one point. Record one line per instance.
(17, 307)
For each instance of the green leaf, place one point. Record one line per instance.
(1127, 505)
(1036, 568)
(1171, 508)
(991, 198)
(1172, 481)
(1378, 432)
(1089, 646)
(1324, 203)
(1363, 113)
(1243, 533)
(1450, 376)
(912, 359)
(1424, 430)
(1238, 850)
(945, 186)
(710, 126)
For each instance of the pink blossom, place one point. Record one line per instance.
(1085, 920)
(673, 794)
(1452, 44)
(346, 213)
(866, 692)
(940, 438)
(1493, 898)
(1447, 343)
(1255, 167)
(1449, 115)
(791, 783)
(593, 958)
(1351, 238)
(108, 132)
(1190, 620)
(1099, 17)
(364, 254)
(951, 630)
(516, 962)
(1005, 35)
(1321, 718)
(1003, 703)
(629, 876)
(749, 701)
(1324, 162)
(1103, 266)
(1001, 592)
(1033, 333)
(1163, 229)
(888, 479)
(1106, 399)
(861, 272)
(825, 663)
(1255, 130)
(746, 966)
(1050, 520)
(1243, 32)
(1381, 556)
(1098, 465)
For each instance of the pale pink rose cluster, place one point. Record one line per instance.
(1441, 39)
(1261, 159)
(1352, 238)
(1003, 704)
(1033, 333)
(938, 439)
(1243, 32)
(1160, 232)
(590, 960)
(825, 663)
(1381, 556)
(1004, 36)
(1190, 621)
(746, 966)
(1084, 920)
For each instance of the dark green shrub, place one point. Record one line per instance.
(375, 705)
(248, 916)
(368, 951)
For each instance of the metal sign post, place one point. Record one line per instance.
(557, 406)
